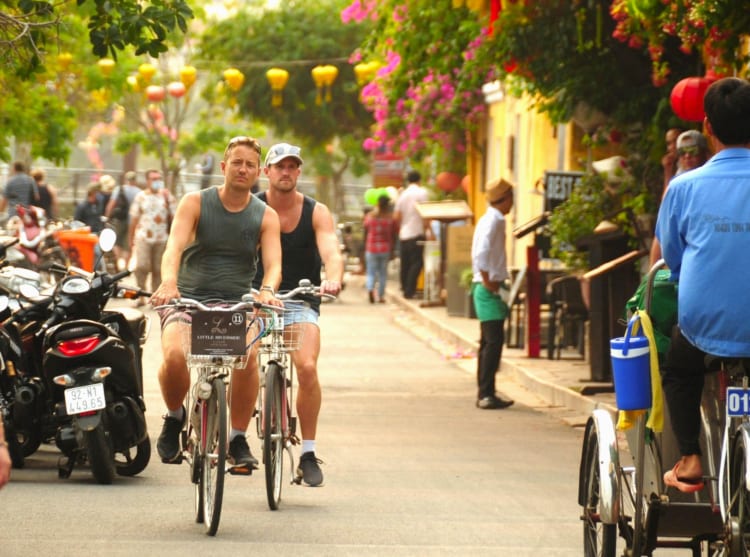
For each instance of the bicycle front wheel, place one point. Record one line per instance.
(273, 433)
(213, 453)
(599, 539)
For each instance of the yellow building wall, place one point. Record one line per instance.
(517, 144)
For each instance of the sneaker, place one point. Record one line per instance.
(309, 469)
(168, 444)
(240, 455)
(493, 403)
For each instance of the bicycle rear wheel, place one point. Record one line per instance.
(273, 433)
(213, 455)
(739, 510)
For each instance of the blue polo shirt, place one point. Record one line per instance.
(704, 231)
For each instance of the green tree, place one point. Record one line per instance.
(297, 36)
(29, 27)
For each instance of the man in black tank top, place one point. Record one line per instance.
(211, 253)
(308, 238)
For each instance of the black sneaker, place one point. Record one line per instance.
(493, 403)
(168, 444)
(309, 469)
(240, 455)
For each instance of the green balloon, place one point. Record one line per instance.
(371, 196)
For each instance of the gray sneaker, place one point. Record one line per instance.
(309, 469)
(240, 455)
(168, 444)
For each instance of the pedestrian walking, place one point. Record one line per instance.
(48, 199)
(118, 213)
(150, 216)
(380, 231)
(20, 189)
(413, 231)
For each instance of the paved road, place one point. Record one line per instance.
(412, 468)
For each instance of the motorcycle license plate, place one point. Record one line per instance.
(738, 402)
(84, 399)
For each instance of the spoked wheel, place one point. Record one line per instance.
(598, 539)
(213, 455)
(273, 434)
(739, 502)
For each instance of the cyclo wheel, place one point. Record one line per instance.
(739, 510)
(213, 454)
(599, 540)
(273, 434)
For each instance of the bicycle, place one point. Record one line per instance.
(625, 494)
(275, 415)
(215, 342)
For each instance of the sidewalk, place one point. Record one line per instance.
(560, 383)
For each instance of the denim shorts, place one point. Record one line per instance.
(301, 315)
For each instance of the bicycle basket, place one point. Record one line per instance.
(278, 333)
(219, 337)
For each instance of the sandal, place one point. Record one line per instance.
(686, 485)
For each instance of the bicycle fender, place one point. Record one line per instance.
(609, 466)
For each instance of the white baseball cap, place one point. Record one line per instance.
(281, 151)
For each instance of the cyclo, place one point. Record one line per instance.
(626, 508)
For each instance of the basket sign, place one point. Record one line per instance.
(218, 333)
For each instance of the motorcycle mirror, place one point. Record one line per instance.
(107, 238)
(28, 291)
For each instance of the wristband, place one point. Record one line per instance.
(268, 289)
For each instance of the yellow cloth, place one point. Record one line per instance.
(627, 418)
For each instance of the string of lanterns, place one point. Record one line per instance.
(323, 75)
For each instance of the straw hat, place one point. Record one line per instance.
(497, 189)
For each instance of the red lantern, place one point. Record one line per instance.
(155, 93)
(447, 181)
(687, 98)
(466, 183)
(176, 89)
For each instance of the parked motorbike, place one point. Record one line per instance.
(91, 389)
(37, 248)
(10, 382)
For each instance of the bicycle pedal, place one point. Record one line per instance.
(240, 471)
(176, 460)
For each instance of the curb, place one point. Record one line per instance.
(554, 394)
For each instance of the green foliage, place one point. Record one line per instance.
(113, 26)
(576, 218)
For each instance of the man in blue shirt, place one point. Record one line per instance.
(704, 229)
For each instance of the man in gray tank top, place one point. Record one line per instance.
(211, 254)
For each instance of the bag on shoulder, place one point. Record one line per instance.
(122, 206)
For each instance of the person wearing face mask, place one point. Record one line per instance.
(150, 218)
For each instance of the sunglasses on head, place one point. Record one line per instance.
(243, 140)
(692, 151)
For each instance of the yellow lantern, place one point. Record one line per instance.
(187, 76)
(234, 78)
(133, 82)
(365, 71)
(64, 59)
(324, 76)
(146, 72)
(106, 65)
(278, 78)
